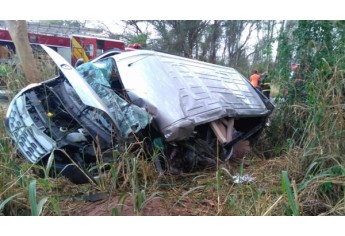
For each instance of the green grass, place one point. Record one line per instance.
(289, 192)
(36, 208)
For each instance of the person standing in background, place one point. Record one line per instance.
(255, 79)
(266, 84)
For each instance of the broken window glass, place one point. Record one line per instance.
(129, 117)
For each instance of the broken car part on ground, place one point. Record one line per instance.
(180, 106)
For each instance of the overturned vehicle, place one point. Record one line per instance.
(183, 107)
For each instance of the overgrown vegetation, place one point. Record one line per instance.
(298, 162)
(309, 125)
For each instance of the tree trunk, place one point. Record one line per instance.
(19, 35)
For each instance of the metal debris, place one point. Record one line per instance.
(240, 179)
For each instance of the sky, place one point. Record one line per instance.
(177, 9)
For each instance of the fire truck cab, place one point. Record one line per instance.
(89, 48)
(71, 47)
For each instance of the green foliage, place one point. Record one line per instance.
(304, 98)
(53, 22)
(310, 115)
(13, 77)
(71, 23)
(286, 186)
(3, 70)
(2, 205)
(36, 208)
(179, 37)
(211, 42)
(141, 38)
(139, 195)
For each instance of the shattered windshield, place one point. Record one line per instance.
(100, 76)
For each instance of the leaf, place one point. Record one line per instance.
(287, 190)
(219, 179)
(40, 205)
(32, 197)
(226, 171)
(304, 184)
(49, 164)
(188, 192)
(2, 205)
(36, 209)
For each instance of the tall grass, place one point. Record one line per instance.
(17, 177)
(308, 131)
(289, 192)
(36, 208)
(2, 205)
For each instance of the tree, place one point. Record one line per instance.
(133, 33)
(180, 37)
(234, 46)
(212, 38)
(19, 34)
(215, 37)
(71, 23)
(262, 56)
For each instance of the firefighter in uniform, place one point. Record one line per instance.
(266, 85)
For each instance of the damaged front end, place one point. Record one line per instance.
(51, 118)
(72, 120)
(182, 107)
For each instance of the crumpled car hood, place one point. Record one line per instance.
(82, 88)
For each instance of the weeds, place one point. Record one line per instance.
(313, 147)
(36, 208)
(288, 191)
(2, 205)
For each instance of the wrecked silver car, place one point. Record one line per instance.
(182, 106)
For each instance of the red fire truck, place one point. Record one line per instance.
(72, 47)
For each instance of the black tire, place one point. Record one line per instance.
(72, 172)
(63, 166)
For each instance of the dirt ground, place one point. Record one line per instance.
(104, 204)
(105, 207)
(174, 201)
(155, 207)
